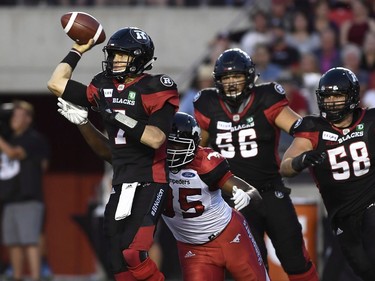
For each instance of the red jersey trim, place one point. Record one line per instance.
(312, 136)
(154, 102)
(272, 112)
(203, 121)
(225, 178)
(243, 112)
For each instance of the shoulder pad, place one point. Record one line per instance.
(308, 124)
(162, 79)
(99, 78)
(205, 92)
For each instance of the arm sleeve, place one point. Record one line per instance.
(75, 92)
(162, 118)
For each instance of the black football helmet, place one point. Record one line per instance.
(183, 140)
(234, 61)
(133, 42)
(338, 80)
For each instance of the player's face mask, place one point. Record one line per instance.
(120, 62)
(335, 102)
(233, 84)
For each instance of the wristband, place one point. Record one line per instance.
(72, 58)
(131, 126)
(297, 163)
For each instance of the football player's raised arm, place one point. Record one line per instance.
(298, 146)
(64, 70)
(286, 118)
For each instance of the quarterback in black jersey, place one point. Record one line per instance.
(138, 110)
(242, 121)
(339, 149)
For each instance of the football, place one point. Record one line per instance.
(81, 27)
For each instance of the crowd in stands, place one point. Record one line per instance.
(294, 42)
(298, 39)
(162, 3)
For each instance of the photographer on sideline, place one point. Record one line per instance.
(23, 159)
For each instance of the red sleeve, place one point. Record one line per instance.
(202, 120)
(153, 102)
(90, 92)
(312, 136)
(273, 111)
(225, 178)
(211, 166)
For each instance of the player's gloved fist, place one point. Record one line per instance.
(74, 113)
(102, 107)
(241, 198)
(308, 158)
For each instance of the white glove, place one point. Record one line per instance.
(74, 113)
(241, 198)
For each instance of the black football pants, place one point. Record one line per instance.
(148, 204)
(356, 236)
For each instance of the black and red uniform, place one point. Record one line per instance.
(346, 181)
(153, 100)
(249, 140)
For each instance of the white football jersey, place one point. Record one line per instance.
(199, 214)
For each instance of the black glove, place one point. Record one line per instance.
(308, 158)
(102, 107)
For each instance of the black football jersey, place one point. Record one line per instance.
(131, 160)
(249, 140)
(346, 179)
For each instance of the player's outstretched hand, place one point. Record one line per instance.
(74, 113)
(84, 47)
(307, 159)
(241, 198)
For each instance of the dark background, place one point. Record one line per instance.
(69, 151)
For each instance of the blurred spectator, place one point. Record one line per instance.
(297, 101)
(355, 29)
(268, 72)
(302, 37)
(219, 44)
(282, 54)
(368, 58)
(203, 79)
(340, 12)
(304, 6)
(328, 54)
(24, 158)
(280, 14)
(259, 33)
(368, 55)
(368, 99)
(321, 19)
(351, 59)
(309, 76)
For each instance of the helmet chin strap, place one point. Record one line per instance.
(147, 65)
